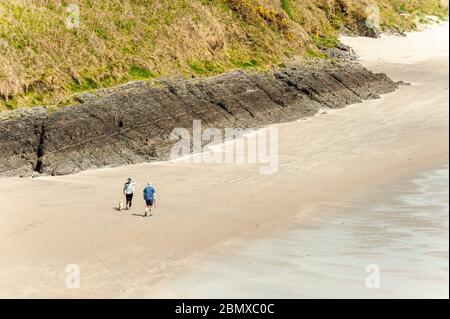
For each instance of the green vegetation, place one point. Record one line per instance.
(43, 62)
(287, 7)
(138, 73)
(205, 67)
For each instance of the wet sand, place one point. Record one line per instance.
(392, 242)
(50, 222)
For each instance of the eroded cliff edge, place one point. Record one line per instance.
(132, 123)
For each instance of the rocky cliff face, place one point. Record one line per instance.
(132, 123)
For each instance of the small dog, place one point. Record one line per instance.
(121, 206)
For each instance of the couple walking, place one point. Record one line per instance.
(149, 195)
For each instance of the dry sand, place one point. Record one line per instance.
(50, 222)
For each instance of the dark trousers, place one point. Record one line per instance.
(129, 198)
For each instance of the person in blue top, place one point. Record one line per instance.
(150, 198)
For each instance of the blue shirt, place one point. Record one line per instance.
(149, 193)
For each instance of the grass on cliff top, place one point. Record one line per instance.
(42, 61)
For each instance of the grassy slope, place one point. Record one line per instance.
(43, 62)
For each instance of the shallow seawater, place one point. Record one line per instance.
(391, 243)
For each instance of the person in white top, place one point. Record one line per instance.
(128, 190)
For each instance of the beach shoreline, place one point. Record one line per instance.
(398, 229)
(51, 222)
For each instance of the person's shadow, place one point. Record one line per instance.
(117, 209)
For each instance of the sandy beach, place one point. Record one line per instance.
(392, 242)
(50, 222)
